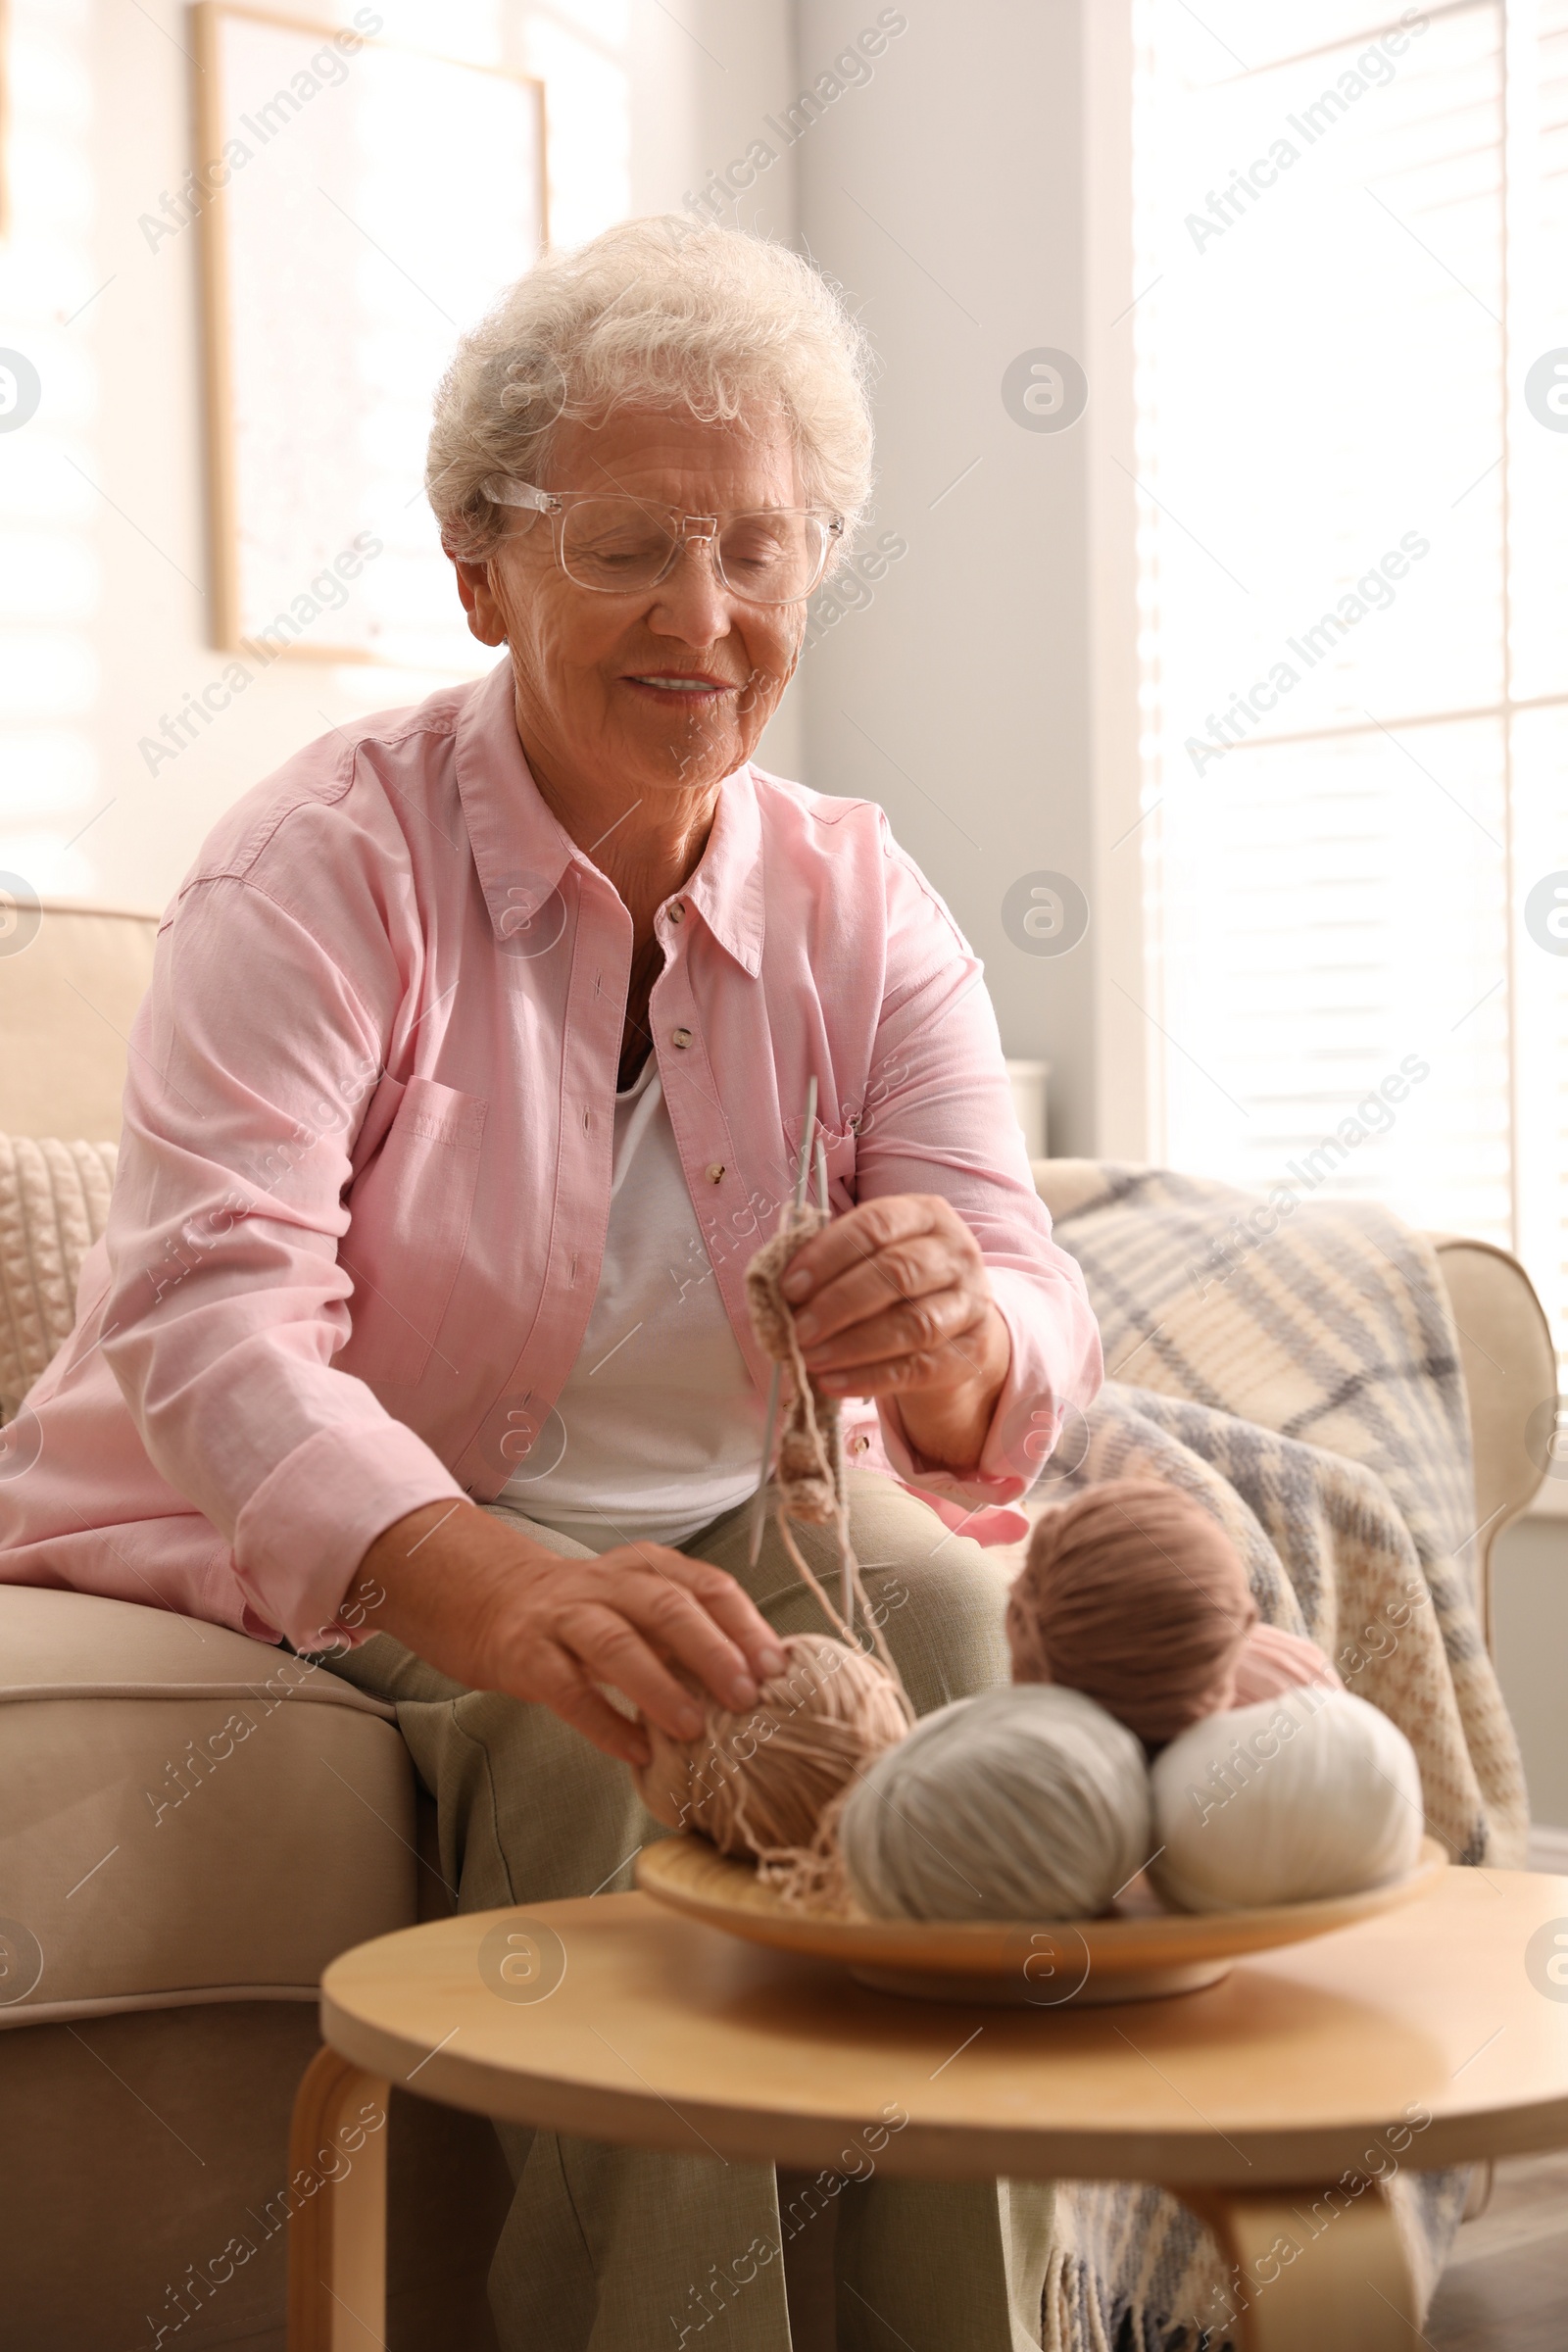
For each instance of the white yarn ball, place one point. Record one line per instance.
(1024, 1803)
(1312, 1793)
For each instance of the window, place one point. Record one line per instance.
(1352, 340)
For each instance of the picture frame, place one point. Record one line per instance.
(360, 202)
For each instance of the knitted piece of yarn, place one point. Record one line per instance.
(1312, 1795)
(1272, 1662)
(758, 1781)
(1027, 1802)
(1134, 1594)
(810, 1468)
(809, 1472)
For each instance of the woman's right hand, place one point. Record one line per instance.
(479, 1602)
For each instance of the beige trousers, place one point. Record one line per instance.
(618, 2250)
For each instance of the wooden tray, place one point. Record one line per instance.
(1138, 1954)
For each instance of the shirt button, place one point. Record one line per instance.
(677, 911)
(681, 1037)
(716, 1171)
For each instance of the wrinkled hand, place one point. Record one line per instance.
(483, 1602)
(892, 1299)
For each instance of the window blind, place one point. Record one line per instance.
(1351, 276)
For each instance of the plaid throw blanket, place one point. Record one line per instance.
(1305, 1387)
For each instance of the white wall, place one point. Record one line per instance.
(946, 195)
(103, 555)
(1530, 1609)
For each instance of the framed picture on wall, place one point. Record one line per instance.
(361, 203)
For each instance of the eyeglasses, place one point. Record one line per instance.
(623, 546)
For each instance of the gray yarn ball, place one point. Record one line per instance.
(1025, 1802)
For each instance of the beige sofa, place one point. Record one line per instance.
(180, 1914)
(181, 1911)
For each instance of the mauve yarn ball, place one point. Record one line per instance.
(1315, 1794)
(1023, 1802)
(1272, 1662)
(1136, 1596)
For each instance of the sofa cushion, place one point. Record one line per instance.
(54, 1199)
(185, 1815)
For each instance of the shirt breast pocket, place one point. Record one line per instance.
(408, 1219)
(838, 1146)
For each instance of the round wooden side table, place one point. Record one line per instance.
(1272, 2104)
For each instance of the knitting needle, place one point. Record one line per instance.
(803, 1170)
(845, 1573)
(769, 1426)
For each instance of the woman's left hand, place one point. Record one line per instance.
(892, 1299)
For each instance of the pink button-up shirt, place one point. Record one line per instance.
(365, 1178)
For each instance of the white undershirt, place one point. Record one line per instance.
(663, 1427)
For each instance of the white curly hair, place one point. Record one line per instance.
(664, 312)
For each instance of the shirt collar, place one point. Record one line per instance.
(522, 851)
(726, 889)
(519, 848)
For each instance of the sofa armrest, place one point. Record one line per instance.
(1511, 1374)
(185, 1816)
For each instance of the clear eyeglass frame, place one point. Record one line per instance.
(504, 490)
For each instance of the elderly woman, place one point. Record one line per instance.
(471, 1077)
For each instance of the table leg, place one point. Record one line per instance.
(337, 2202)
(1314, 2267)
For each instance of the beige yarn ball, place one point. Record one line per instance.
(757, 1782)
(1310, 1794)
